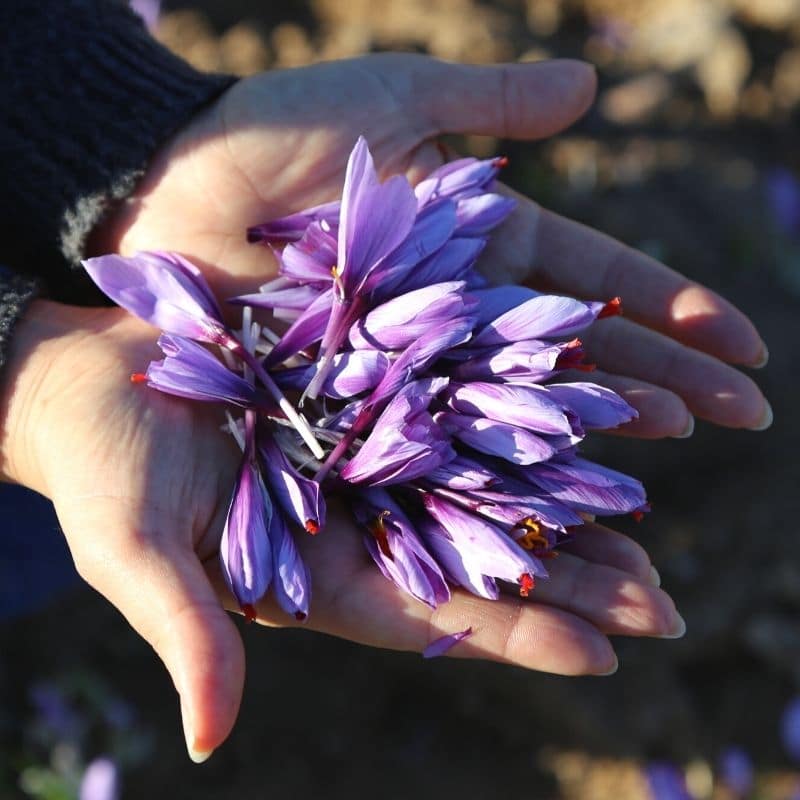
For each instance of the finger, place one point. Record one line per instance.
(513, 101)
(166, 596)
(661, 413)
(561, 255)
(711, 390)
(613, 600)
(600, 545)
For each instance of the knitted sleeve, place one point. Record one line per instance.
(87, 96)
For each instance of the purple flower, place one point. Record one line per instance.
(529, 407)
(351, 374)
(397, 549)
(286, 303)
(477, 216)
(517, 445)
(596, 406)
(462, 474)
(453, 261)
(736, 771)
(438, 647)
(292, 581)
(473, 552)
(292, 227)
(783, 195)
(299, 497)
(790, 729)
(405, 443)
(163, 289)
(100, 781)
(666, 782)
(245, 549)
(532, 361)
(586, 486)
(307, 329)
(462, 178)
(400, 322)
(312, 259)
(189, 370)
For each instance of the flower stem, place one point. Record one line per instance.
(300, 425)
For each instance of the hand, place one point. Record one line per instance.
(278, 142)
(141, 484)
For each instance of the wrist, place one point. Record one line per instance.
(29, 386)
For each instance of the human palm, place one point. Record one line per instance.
(277, 143)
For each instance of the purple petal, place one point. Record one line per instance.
(497, 438)
(538, 318)
(666, 782)
(596, 406)
(164, 290)
(463, 474)
(292, 584)
(451, 262)
(478, 215)
(461, 178)
(736, 771)
(397, 549)
(531, 361)
(375, 218)
(586, 486)
(432, 229)
(351, 374)
(497, 300)
(783, 196)
(100, 781)
(245, 549)
(473, 550)
(438, 647)
(295, 298)
(307, 329)
(292, 227)
(401, 321)
(312, 258)
(189, 370)
(528, 407)
(299, 497)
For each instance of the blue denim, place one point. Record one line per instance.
(35, 564)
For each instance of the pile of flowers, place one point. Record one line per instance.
(404, 381)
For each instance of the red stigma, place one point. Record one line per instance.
(299, 616)
(637, 515)
(526, 584)
(249, 612)
(312, 526)
(501, 162)
(138, 377)
(613, 308)
(378, 530)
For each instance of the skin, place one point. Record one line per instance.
(141, 481)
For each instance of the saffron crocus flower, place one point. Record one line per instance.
(292, 580)
(397, 549)
(736, 771)
(405, 442)
(586, 486)
(477, 216)
(292, 227)
(474, 552)
(100, 781)
(532, 361)
(163, 289)
(666, 781)
(351, 374)
(189, 370)
(462, 178)
(245, 549)
(299, 497)
(596, 406)
(463, 474)
(400, 322)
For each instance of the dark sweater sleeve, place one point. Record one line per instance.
(87, 96)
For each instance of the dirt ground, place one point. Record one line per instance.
(699, 106)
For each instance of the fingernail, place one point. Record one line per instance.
(762, 362)
(654, 577)
(678, 628)
(766, 418)
(198, 756)
(687, 431)
(611, 671)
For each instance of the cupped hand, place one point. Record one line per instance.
(278, 142)
(141, 483)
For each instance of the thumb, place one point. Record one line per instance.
(160, 587)
(513, 101)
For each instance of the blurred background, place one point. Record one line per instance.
(691, 153)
